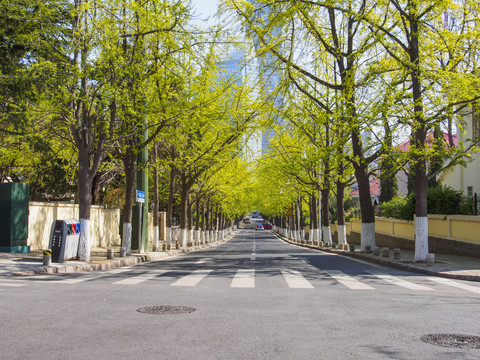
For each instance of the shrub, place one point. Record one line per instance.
(398, 208)
(440, 200)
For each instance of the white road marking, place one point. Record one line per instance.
(295, 280)
(348, 281)
(400, 282)
(244, 279)
(11, 284)
(91, 276)
(453, 283)
(202, 261)
(134, 280)
(193, 279)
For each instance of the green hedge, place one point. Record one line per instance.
(440, 200)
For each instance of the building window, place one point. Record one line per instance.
(470, 192)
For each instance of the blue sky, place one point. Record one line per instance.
(205, 8)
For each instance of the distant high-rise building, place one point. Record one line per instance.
(251, 69)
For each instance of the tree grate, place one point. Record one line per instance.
(453, 340)
(166, 309)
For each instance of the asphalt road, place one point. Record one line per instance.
(255, 296)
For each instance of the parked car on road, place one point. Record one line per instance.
(259, 227)
(267, 226)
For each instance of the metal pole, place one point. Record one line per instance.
(140, 242)
(475, 204)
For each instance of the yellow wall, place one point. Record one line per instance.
(104, 223)
(466, 229)
(452, 227)
(161, 225)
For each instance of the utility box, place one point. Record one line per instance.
(14, 217)
(64, 238)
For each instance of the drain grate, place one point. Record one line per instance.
(453, 340)
(166, 309)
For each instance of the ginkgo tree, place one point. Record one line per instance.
(432, 63)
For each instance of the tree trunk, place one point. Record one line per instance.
(342, 234)
(327, 234)
(130, 167)
(313, 220)
(183, 210)
(197, 221)
(204, 226)
(169, 215)
(155, 198)
(85, 202)
(190, 221)
(421, 181)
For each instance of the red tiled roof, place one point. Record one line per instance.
(374, 188)
(403, 147)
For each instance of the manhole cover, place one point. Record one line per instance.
(453, 340)
(166, 309)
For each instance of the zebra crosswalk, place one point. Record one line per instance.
(246, 278)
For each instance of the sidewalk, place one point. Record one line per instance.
(32, 264)
(447, 266)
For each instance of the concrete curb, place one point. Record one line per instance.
(384, 262)
(116, 262)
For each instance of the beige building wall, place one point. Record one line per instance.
(104, 223)
(459, 177)
(161, 224)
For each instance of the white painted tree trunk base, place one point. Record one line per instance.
(421, 238)
(156, 235)
(183, 237)
(83, 252)
(342, 234)
(312, 236)
(190, 237)
(168, 235)
(327, 235)
(127, 238)
(367, 237)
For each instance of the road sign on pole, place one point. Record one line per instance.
(140, 196)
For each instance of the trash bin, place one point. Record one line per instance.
(64, 238)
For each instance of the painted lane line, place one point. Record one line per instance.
(453, 283)
(84, 278)
(11, 284)
(400, 282)
(244, 279)
(203, 261)
(348, 281)
(140, 278)
(295, 280)
(193, 279)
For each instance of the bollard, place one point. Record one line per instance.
(109, 254)
(346, 247)
(376, 251)
(430, 259)
(47, 257)
(396, 254)
(340, 246)
(385, 252)
(321, 243)
(123, 252)
(368, 249)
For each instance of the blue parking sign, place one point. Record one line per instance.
(140, 196)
